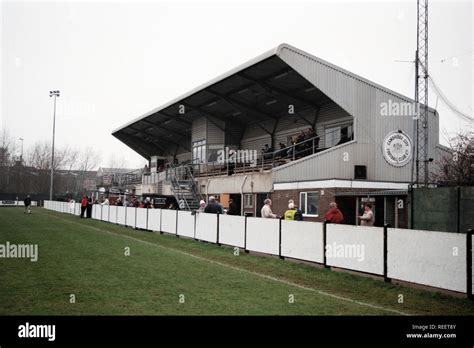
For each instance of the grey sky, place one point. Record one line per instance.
(113, 61)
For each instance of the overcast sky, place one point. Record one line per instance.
(114, 61)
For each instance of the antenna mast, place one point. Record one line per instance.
(421, 94)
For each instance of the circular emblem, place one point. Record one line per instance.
(397, 148)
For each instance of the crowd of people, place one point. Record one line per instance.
(333, 214)
(133, 202)
(300, 146)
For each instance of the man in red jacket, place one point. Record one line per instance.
(333, 215)
(84, 203)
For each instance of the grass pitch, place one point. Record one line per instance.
(165, 275)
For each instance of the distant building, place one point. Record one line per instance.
(108, 177)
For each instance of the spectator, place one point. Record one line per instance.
(213, 207)
(333, 215)
(147, 203)
(233, 208)
(291, 149)
(83, 206)
(267, 152)
(367, 219)
(133, 202)
(27, 202)
(202, 206)
(230, 163)
(89, 207)
(281, 152)
(105, 201)
(119, 202)
(267, 209)
(290, 213)
(311, 133)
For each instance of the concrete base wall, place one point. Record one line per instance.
(249, 183)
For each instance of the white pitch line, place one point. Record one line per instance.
(265, 276)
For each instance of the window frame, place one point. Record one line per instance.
(305, 208)
(199, 151)
(340, 125)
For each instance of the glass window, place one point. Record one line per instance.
(213, 153)
(332, 136)
(337, 135)
(309, 203)
(199, 151)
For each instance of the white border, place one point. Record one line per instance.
(341, 184)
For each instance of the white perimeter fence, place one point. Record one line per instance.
(437, 259)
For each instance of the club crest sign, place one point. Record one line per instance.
(397, 148)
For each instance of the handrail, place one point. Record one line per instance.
(267, 160)
(179, 174)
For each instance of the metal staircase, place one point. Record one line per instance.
(184, 187)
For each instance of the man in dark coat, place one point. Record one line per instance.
(89, 207)
(213, 207)
(233, 208)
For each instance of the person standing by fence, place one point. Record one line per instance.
(89, 207)
(333, 215)
(267, 209)
(84, 203)
(213, 207)
(367, 219)
(293, 212)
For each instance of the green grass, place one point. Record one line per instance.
(86, 258)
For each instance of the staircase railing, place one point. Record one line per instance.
(183, 185)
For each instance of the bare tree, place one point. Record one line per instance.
(88, 160)
(457, 168)
(116, 163)
(7, 148)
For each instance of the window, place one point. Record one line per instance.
(213, 153)
(248, 200)
(309, 203)
(199, 151)
(332, 136)
(337, 135)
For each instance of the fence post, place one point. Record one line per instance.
(469, 264)
(195, 223)
(146, 224)
(136, 212)
(325, 223)
(385, 253)
(245, 236)
(176, 228)
(279, 238)
(161, 220)
(219, 244)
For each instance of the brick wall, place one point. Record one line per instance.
(327, 195)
